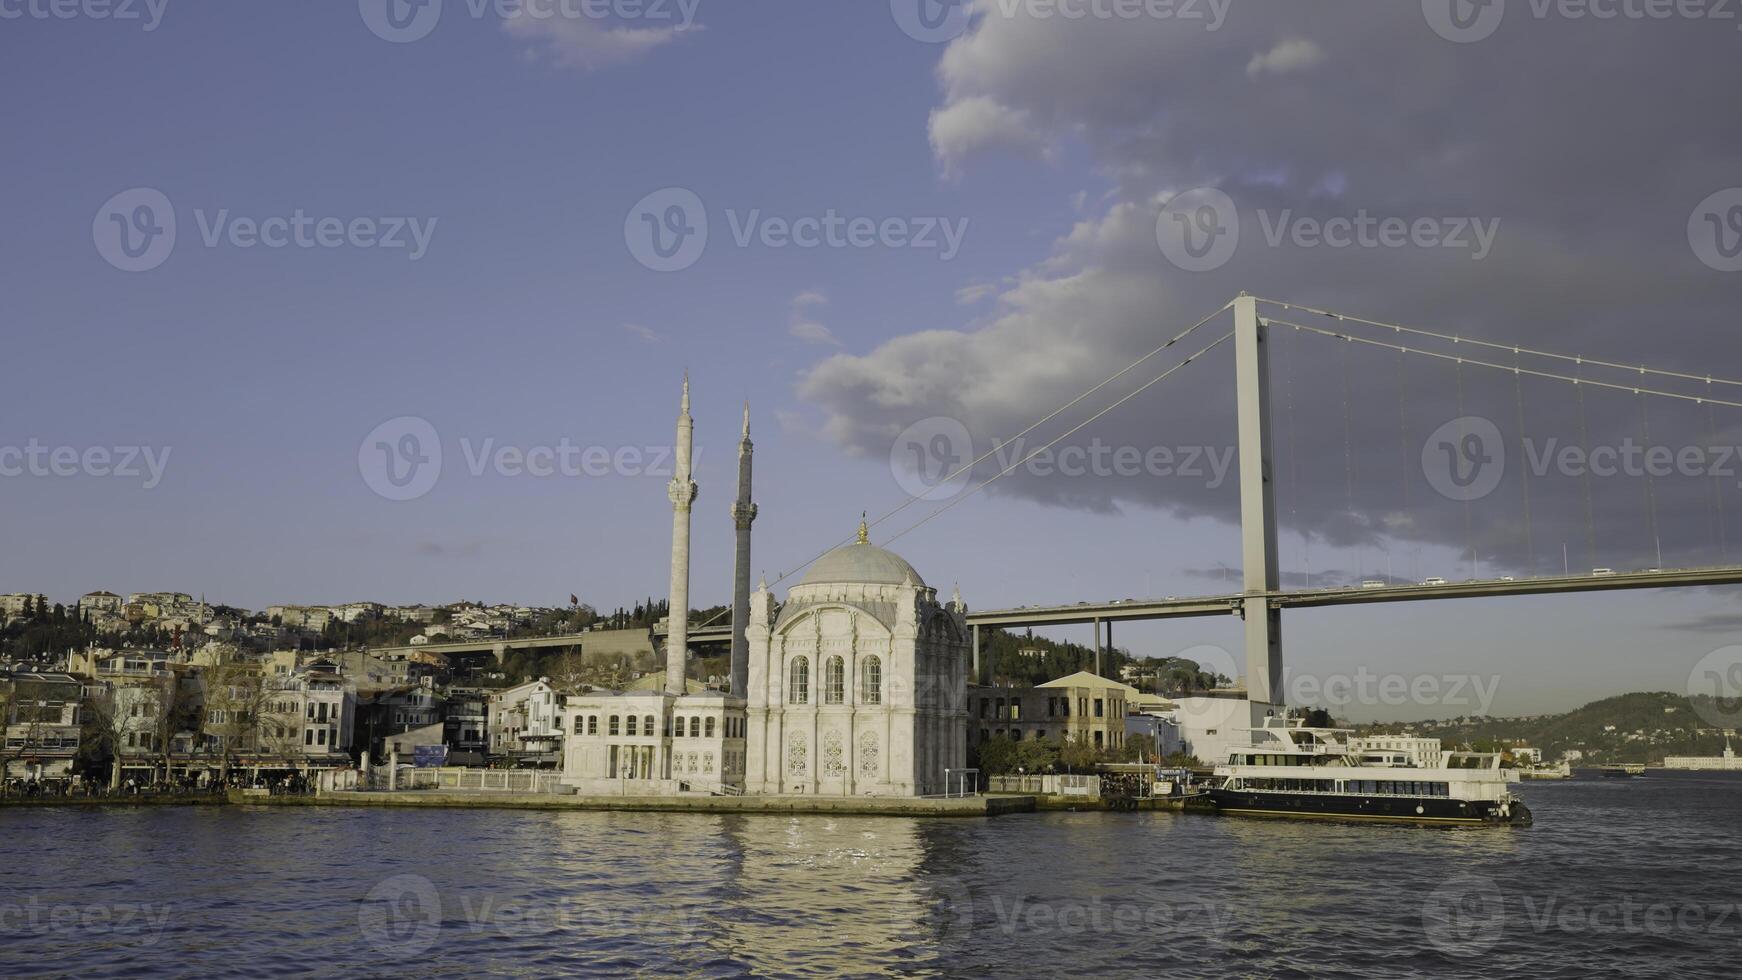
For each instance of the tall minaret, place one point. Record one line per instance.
(743, 514)
(682, 491)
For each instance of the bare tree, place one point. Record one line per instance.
(110, 720)
(236, 696)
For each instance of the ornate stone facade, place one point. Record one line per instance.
(862, 655)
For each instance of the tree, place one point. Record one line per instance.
(236, 698)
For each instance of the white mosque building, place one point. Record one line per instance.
(855, 686)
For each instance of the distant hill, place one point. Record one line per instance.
(1641, 727)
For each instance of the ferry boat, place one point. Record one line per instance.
(1290, 770)
(1624, 770)
(1560, 770)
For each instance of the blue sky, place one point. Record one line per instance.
(529, 320)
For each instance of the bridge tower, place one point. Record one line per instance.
(1257, 513)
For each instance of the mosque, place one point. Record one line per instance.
(856, 685)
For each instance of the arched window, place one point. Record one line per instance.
(592, 724)
(630, 730)
(710, 728)
(649, 729)
(871, 683)
(613, 729)
(696, 727)
(835, 680)
(799, 686)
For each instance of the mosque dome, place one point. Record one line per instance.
(861, 563)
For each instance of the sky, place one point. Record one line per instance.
(902, 230)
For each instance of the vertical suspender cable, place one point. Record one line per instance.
(1585, 447)
(1403, 429)
(1469, 536)
(1650, 480)
(1523, 465)
(1717, 482)
(1349, 468)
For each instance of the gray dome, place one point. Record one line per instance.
(864, 564)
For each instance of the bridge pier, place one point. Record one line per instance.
(500, 652)
(1257, 514)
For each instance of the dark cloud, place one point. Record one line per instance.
(1590, 143)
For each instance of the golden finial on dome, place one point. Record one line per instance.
(864, 529)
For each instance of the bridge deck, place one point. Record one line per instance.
(1223, 605)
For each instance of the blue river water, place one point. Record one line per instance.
(1635, 877)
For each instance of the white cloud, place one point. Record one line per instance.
(974, 124)
(645, 333)
(974, 292)
(803, 326)
(1294, 54)
(588, 43)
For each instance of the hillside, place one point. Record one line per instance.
(1641, 727)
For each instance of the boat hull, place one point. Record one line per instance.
(1435, 811)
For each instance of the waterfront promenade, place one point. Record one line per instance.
(968, 806)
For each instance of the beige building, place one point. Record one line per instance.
(1080, 707)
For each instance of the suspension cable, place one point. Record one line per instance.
(1697, 399)
(1456, 339)
(1061, 436)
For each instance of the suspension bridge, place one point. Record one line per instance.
(1260, 600)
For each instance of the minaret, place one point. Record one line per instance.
(682, 491)
(743, 515)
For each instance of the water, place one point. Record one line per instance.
(1618, 876)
